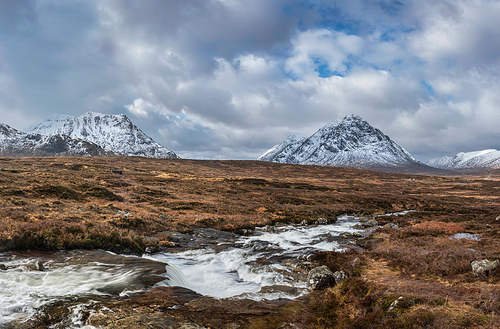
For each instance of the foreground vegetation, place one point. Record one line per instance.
(130, 204)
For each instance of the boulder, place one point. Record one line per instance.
(480, 267)
(302, 265)
(269, 229)
(370, 223)
(339, 277)
(38, 266)
(3, 267)
(322, 277)
(322, 221)
(392, 225)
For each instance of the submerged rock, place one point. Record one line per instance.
(480, 267)
(3, 267)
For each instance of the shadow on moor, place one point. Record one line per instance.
(407, 275)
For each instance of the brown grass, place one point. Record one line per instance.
(73, 202)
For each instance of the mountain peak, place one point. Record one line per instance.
(347, 142)
(113, 132)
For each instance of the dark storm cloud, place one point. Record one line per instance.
(230, 78)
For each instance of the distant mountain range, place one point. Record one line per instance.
(89, 134)
(468, 160)
(348, 142)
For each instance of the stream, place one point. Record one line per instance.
(209, 262)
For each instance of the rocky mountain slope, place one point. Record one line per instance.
(349, 142)
(15, 143)
(113, 133)
(468, 160)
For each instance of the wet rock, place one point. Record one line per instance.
(159, 310)
(304, 222)
(369, 223)
(484, 267)
(38, 266)
(320, 277)
(3, 267)
(349, 235)
(322, 221)
(212, 234)
(269, 229)
(292, 291)
(300, 265)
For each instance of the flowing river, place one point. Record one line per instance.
(208, 262)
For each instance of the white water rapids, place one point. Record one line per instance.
(236, 271)
(237, 268)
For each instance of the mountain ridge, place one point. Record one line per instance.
(114, 133)
(489, 158)
(347, 142)
(15, 143)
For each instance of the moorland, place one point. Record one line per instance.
(126, 205)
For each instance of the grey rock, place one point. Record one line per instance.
(339, 277)
(38, 265)
(3, 267)
(269, 229)
(370, 223)
(304, 222)
(322, 221)
(480, 267)
(394, 304)
(294, 291)
(392, 225)
(320, 277)
(299, 265)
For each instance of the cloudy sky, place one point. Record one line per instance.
(228, 79)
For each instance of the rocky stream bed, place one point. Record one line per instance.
(206, 279)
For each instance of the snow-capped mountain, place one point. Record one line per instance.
(349, 142)
(114, 133)
(16, 143)
(468, 160)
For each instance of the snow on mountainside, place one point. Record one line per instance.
(468, 160)
(16, 143)
(287, 146)
(114, 133)
(350, 142)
